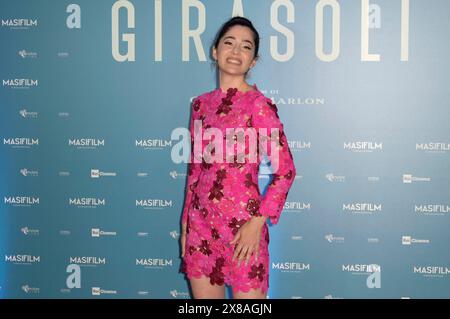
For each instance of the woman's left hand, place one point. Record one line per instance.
(247, 239)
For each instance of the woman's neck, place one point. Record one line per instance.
(226, 81)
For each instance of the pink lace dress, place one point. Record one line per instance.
(222, 196)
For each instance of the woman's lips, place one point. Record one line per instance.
(234, 61)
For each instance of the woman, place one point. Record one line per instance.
(224, 236)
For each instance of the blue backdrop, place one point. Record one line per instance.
(91, 92)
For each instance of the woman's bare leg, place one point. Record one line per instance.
(252, 294)
(202, 289)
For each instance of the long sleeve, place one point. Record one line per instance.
(193, 168)
(265, 115)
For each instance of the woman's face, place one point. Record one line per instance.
(235, 51)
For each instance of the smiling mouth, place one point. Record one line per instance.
(234, 61)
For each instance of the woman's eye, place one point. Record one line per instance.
(227, 42)
(248, 48)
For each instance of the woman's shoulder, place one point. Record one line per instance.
(260, 97)
(202, 97)
(264, 106)
(199, 102)
(205, 94)
(255, 95)
(262, 101)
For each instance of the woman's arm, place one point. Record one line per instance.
(265, 115)
(193, 168)
(270, 205)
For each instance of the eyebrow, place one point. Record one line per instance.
(235, 39)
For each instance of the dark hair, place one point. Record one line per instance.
(237, 20)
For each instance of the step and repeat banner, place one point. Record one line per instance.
(92, 91)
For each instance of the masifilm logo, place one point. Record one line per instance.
(433, 147)
(86, 143)
(22, 259)
(292, 267)
(152, 144)
(21, 201)
(373, 271)
(90, 261)
(296, 207)
(363, 146)
(153, 203)
(432, 271)
(21, 142)
(19, 23)
(431, 209)
(358, 269)
(153, 263)
(362, 208)
(297, 145)
(20, 83)
(87, 202)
